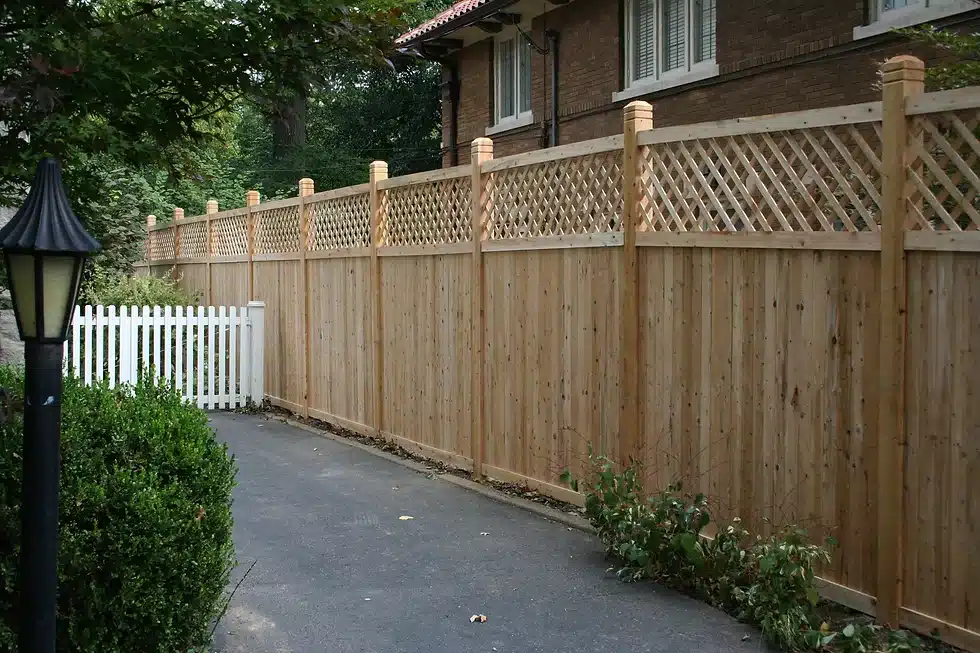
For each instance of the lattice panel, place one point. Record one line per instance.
(162, 245)
(943, 174)
(229, 236)
(277, 230)
(432, 213)
(340, 223)
(821, 179)
(193, 240)
(578, 195)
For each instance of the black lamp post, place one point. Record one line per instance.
(44, 247)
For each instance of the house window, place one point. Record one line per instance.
(669, 42)
(887, 15)
(512, 72)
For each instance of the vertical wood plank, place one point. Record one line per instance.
(168, 321)
(377, 172)
(76, 342)
(251, 199)
(146, 336)
(211, 360)
(223, 393)
(88, 345)
(113, 325)
(212, 208)
(125, 350)
(902, 77)
(179, 354)
(234, 398)
(100, 325)
(638, 117)
(482, 151)
(202, 357)
(157, 324)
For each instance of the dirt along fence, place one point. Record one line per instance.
(782, 312)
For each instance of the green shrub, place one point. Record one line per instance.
(768, 582)
(146, 525)
(109, 289)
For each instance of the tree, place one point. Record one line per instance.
(127, 93)
(963, 48)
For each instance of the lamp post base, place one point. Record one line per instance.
(39, 502)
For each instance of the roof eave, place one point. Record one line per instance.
(480, 13)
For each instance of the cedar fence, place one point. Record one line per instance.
(782, 312)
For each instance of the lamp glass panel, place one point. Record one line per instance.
(23, 293)
(59, 286)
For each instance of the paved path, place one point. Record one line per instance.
(338, 571)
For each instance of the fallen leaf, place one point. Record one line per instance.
(478, 618)
(484, 534)
(406, 518)
(314, 448)
(367, 599)
(746, 638)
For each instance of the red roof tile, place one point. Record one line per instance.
(458, 10)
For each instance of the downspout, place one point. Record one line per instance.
(552, 36)
(453, 112)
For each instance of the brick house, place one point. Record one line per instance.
(532, 73)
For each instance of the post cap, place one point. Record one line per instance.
(252, 197)
(305, 187)
(178, 213)
(151, 220)
(904, 67)
(212, 206)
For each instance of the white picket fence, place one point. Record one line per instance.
(214, 355)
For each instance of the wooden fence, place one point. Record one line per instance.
(782, 312)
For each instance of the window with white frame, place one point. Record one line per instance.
(512, 75)
(669, 41)
(893, 14)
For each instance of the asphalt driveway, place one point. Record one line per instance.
(338, 570)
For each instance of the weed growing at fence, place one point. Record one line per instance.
(766, 581)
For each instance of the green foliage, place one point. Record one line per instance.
(146, 524)
(112, 289)
(962, 48)
(765, 581)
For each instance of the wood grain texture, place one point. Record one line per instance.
(942, 490)
(229, 284)
(552, 382)
(759, 389)
(341, 351)
(427, 345)
(276, 283)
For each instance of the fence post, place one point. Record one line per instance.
(903, 77)
(637, 117)
(212, 208)
(251, 199)
(305, 190)
(178, 218)
(481, 152)
(378, 172)
(151, 221)
(256, 353)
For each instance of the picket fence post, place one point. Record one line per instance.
(903, 77)
(638, 117)
(377, 172)
(480, 193)
(256, 340)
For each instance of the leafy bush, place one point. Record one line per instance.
(765, 581)
(112, 289)
(146, 525)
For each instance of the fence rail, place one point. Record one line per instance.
(779, 312)
(213, 356)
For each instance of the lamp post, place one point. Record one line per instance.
(44, 247)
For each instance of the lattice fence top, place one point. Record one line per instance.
(431, 213)
(943, 173)
(823, 179)
(578, 195)
(162, 245)
(340, 223)
(229, 235)
(276, 229)
(193, 239)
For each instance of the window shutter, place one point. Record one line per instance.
(644, 39)
(675, 28)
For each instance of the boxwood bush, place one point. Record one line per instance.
(146, 526)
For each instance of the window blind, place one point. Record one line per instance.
(675, 29)
(525, 75)
(705, 14)
(644, 38)
(505, 78)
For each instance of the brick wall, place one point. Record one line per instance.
(773, 56)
